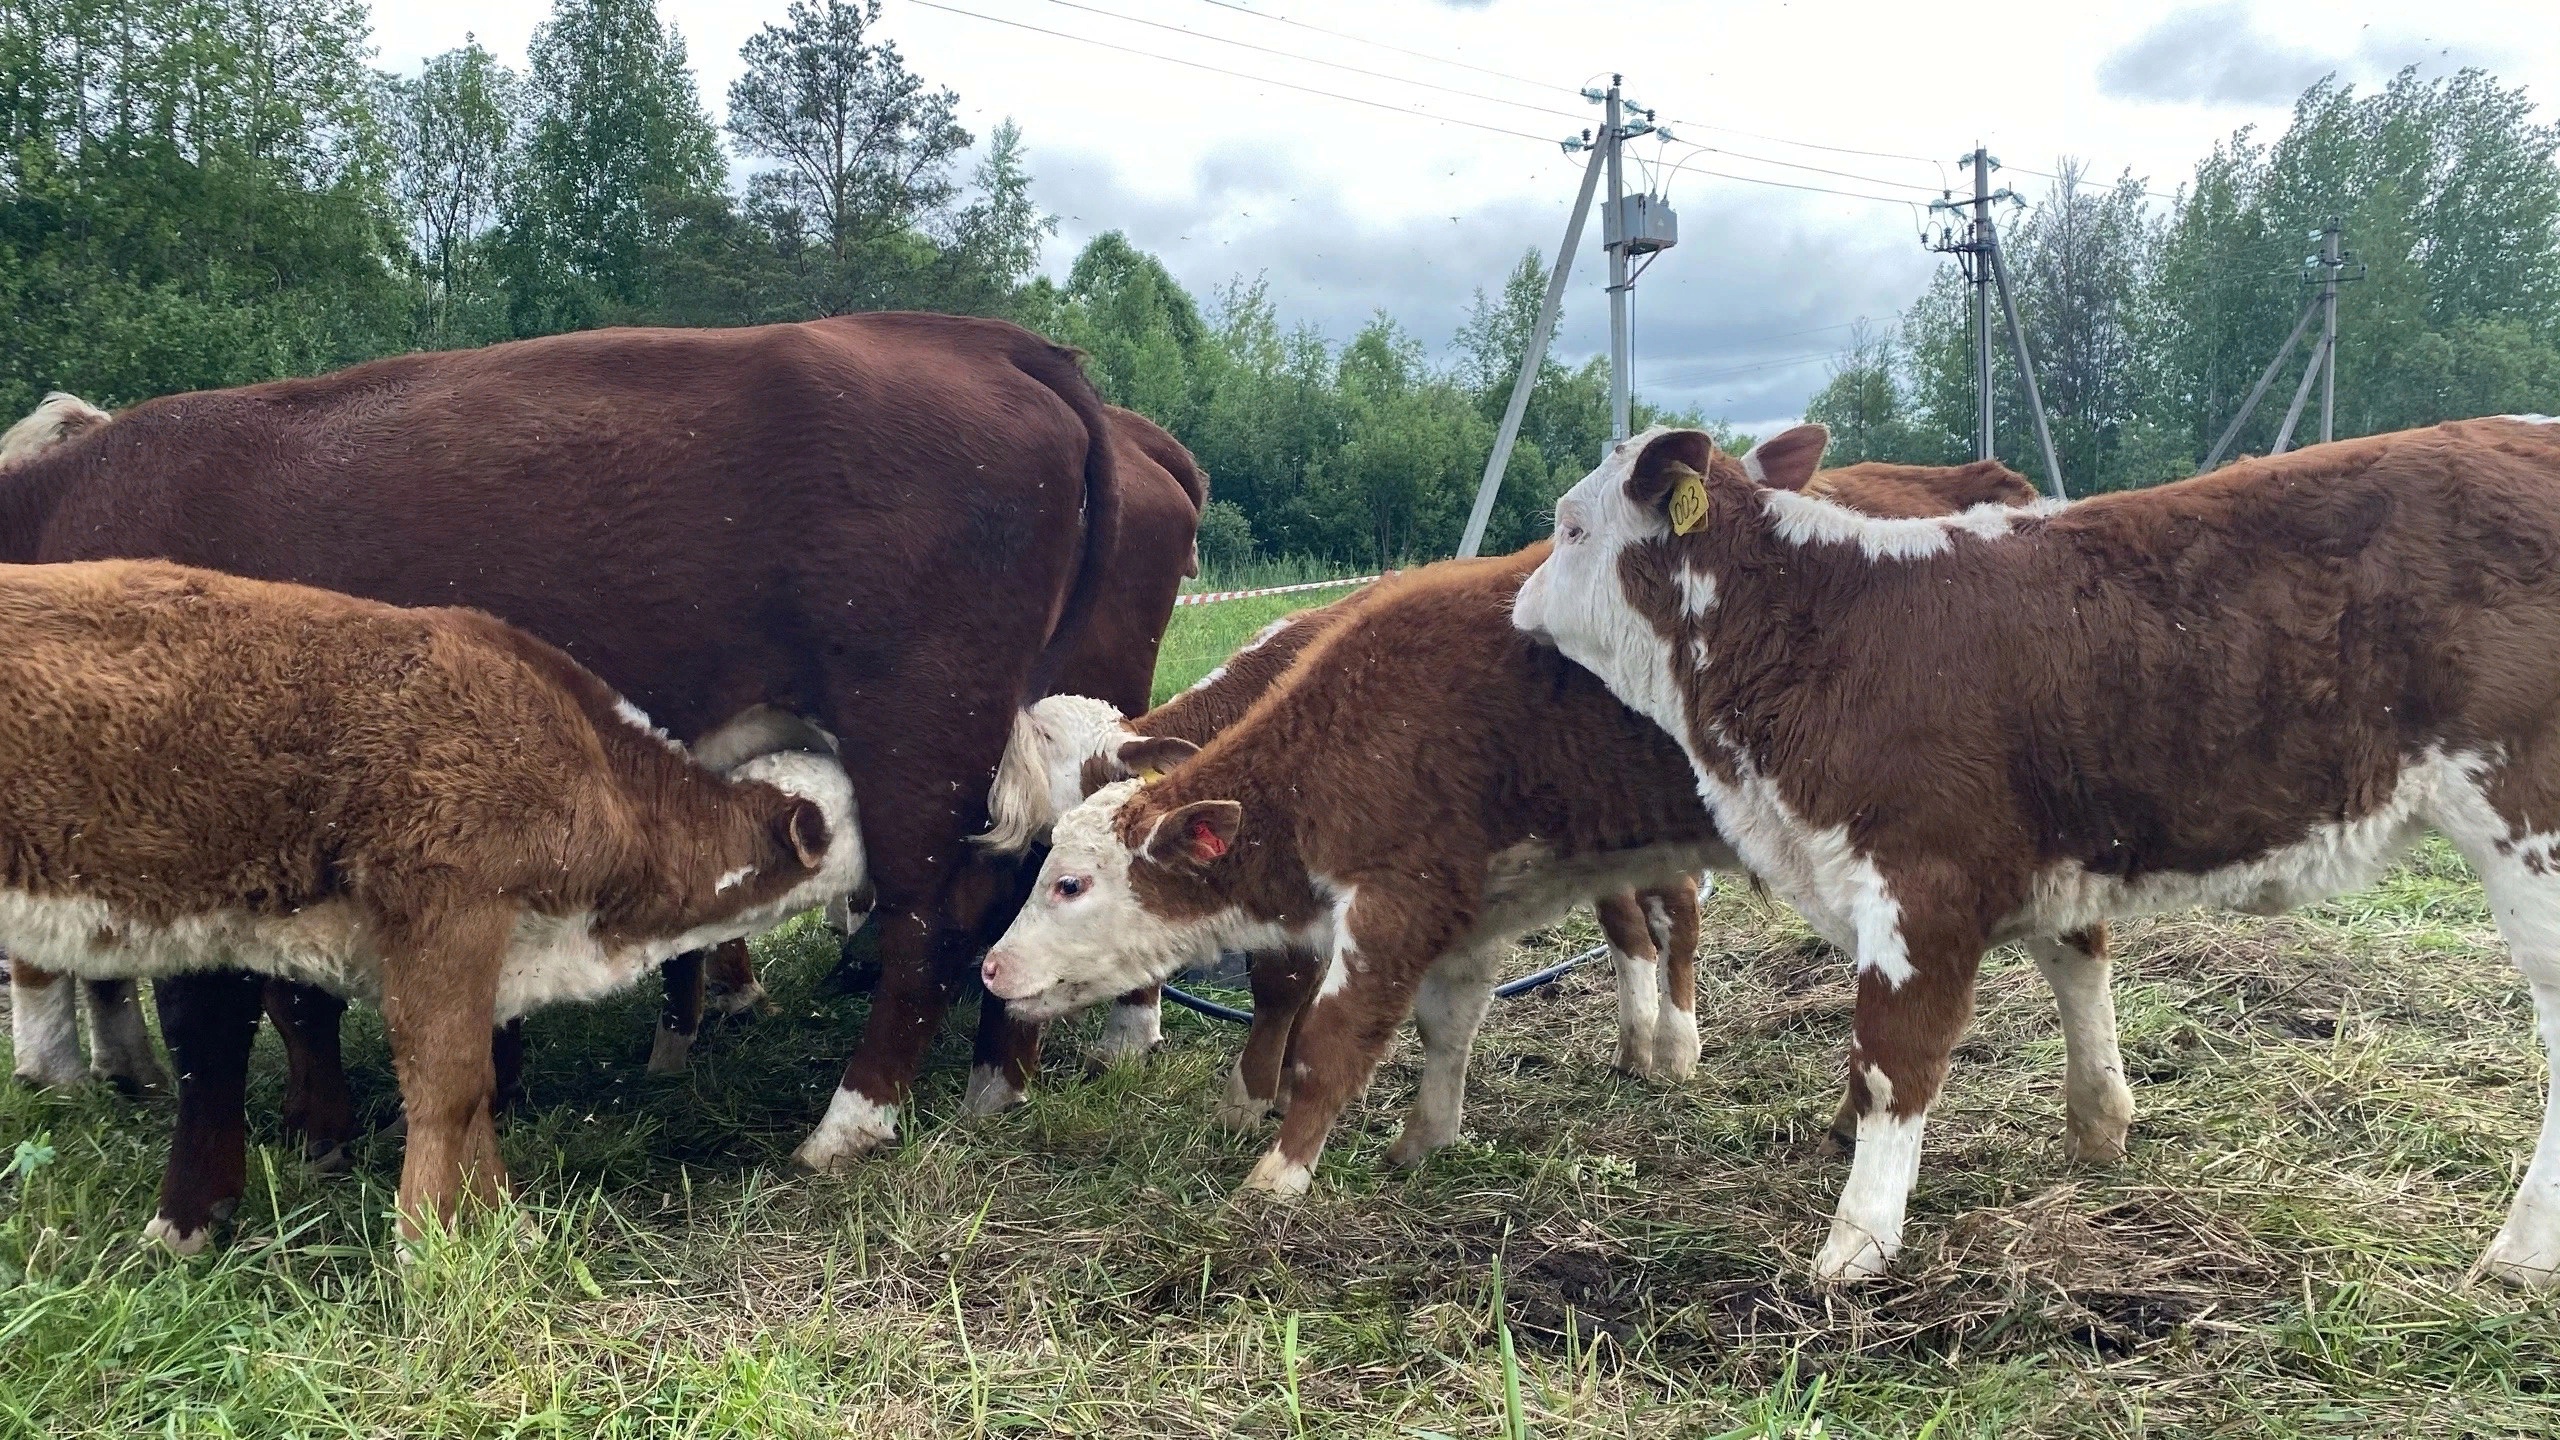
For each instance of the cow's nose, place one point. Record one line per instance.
(999, 971)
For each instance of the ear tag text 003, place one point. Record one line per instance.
(1688, 503)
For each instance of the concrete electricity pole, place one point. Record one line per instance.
(1629, 226)
(1979, 253)
(2332, 265)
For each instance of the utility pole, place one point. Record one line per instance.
(1631, 225)
(1979, 254)
(1613, 238)
(2332, 267)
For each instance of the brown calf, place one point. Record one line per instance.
(2248, 690)
(422, 807)
(1068, 746)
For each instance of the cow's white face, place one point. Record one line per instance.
(1086, 934)
(1075, 729)
(1576, 601)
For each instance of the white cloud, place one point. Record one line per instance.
(1349, 208)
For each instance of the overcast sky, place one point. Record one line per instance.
(1347, 208)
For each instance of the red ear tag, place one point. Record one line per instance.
(1205, 844)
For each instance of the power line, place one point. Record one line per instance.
(1415, 114)
(1791, 185)
(1801, 144)
(1696, 148)
(1691, 377)
(1383, 45)
(1575, 116)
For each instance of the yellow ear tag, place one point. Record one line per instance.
(1150, 775)
(1688, 503)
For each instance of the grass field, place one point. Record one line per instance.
(2334, 1109)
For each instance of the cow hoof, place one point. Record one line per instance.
(164, 1233)
(2523, 1264)
(1675, 1045)
(132, 1085)
(1278, 1176)
(856, 1126)
(2095, 1135)
(2102, 1148)
(52, 1077)
(670, 1052)
(1849, 1256)
(1412, 1149)
(332, 1158)
(989, 1093)
(748, 998)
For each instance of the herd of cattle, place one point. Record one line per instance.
(344, 688)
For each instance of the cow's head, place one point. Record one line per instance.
(1064, 748)
(809, 852)
(1635, 547)
(1130, 893)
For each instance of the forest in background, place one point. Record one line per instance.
(199, 193)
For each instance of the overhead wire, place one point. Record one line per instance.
(1383, 45)
(1573, 115)
(1414, 113)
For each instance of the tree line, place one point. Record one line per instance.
(2149, 323)
(198, 193)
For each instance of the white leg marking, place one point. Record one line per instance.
(1240, 1109)
(119, 1043)
(2095, 1097)
(1639, 1009)
(740, 1001)
(989, 1092)
(1675, 1038)
(1448, 1009)
(2526, 1251)
(855, 1125)
(1130, 1032)
(1278, 1175)
(160, 1232)
(44, 1026)
(670, 1051)
(1867, 1228)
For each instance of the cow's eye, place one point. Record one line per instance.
(1568, 532)
(1070, 886)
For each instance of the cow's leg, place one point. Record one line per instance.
(1675, 1025)
(2096, 1099)
(439, 998)
(210, 1019)
(920, 965)
(680, 1017)
(1448, 1009)
(317, 1106)
(1915, 997)
(2526, 1250)
(1342, 1034)
(730, 986)
(1282, 980)
(119, 1043)
(1006, 1057)
(1631, 950)
(44, 1026)
(506, 1061)
(1134, 1028)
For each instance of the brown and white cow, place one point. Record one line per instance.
(1426, 784)
(2247, 690)
(420, 807)
(1068, 746)
(724, 524)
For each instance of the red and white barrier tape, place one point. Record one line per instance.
(1206, 596)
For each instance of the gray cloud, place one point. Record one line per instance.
(2214, 54)
(1737, 320)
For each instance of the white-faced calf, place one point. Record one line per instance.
(420, 807)
(2249, 690)
(1068, 746)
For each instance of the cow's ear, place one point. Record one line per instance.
(1787, 460)
(802, 829)
(1149, 756)
(1197, 835)
(1666, 460)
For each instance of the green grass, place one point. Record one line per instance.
(2333, 1110)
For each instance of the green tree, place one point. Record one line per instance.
(619, 162)
(455, 128)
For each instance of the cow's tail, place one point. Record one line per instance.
(60, 418)
(1019, 810)
(1061, 370)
